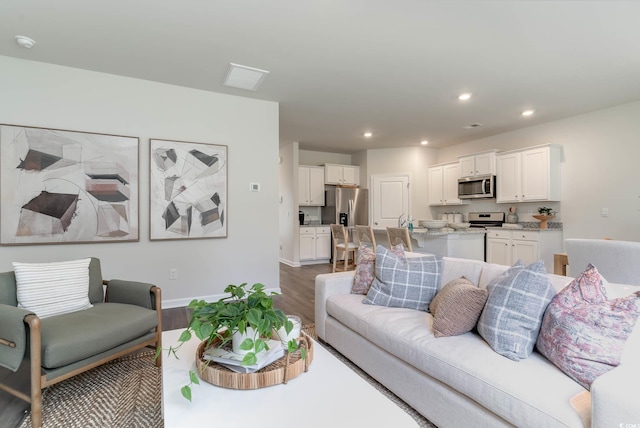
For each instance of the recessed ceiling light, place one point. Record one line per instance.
(243, 77)
(465, 96)
(424, 142)
(25, 42)
(368, 134)
(528, 112)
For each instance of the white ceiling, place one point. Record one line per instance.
(340, 67)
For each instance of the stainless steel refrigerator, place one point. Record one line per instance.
(346, 205)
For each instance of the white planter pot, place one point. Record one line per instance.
(238, 338)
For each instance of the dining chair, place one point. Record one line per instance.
(341, 243)
(399, 235)
(365, 236)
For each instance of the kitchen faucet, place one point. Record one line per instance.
(402, 220)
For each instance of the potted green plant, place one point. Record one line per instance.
(244, 310)
(545, 211)
(544, 214)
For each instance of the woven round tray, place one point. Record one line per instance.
(280, 371)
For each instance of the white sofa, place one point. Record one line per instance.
(460, 381)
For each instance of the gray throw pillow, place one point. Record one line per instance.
(511, 318)
(403, 282)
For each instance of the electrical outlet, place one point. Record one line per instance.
(173, 273)
(604, 212)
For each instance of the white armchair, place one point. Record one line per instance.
(617, 261)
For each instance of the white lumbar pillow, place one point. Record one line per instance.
(49, 289)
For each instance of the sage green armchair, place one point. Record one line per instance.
(126, 318)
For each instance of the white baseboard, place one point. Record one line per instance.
(178, 303)
(289, 263)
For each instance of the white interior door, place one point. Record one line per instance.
(389, 199)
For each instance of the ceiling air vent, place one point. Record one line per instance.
(243, 77)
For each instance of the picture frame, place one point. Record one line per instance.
(67, 187)
(188, 190)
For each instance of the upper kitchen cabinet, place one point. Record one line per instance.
(341, 174)
(529, 175)
(443, 184)
(478, 164)
(310, 186)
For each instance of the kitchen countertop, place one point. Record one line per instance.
(315, 225)
(532, 227)
(441, 232)
(447, 231)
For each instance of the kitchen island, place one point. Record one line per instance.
(463, 243)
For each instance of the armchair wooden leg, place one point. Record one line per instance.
(157, 293)
(36, 373)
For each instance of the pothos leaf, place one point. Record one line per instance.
(249, 359)
(185, 336)
(186, 392)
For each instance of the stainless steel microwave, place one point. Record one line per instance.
(481, 186)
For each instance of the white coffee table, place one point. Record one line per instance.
(330, 394)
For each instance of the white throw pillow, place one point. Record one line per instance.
(49, 289)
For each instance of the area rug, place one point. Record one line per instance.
(126, 392)
(423, 422)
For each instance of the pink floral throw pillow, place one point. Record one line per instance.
(582, 332)
(366, 267)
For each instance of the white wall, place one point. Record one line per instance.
(412, 160)
(288, 213)
(42, 95)
(599, 170)
(310, 157)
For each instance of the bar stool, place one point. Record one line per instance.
(341, 243)
(365, 236)
(399, 235)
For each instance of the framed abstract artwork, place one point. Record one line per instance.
(59, 186)
(188, 190)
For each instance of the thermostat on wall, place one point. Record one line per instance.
(254, 187)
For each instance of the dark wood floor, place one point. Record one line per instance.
(297, 297)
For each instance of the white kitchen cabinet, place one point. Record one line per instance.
(529, 175)
(342, 174)
(315, 244)
(443, 184)
(310, 186)
(478, 164)
(505, 247)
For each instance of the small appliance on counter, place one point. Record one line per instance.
(301, 217)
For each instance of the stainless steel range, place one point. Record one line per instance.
(484, 220)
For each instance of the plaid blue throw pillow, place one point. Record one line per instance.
(511, 318)
(403, 282)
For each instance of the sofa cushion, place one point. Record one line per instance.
(511, 318)
(457, 307)
(404, 282)
(50, 289)
(72, 337)
(454, 268)
(584, 333)
(517, 392)
(365, 268)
